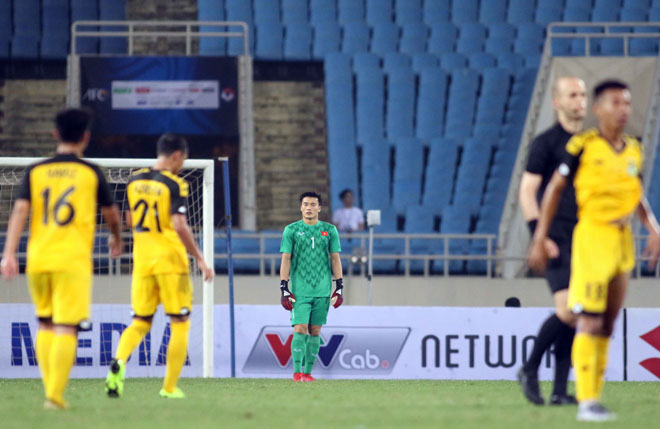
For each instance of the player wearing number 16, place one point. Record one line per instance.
(310, 248)
(161, 236)
(61, 195)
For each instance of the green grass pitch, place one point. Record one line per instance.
(265, 403)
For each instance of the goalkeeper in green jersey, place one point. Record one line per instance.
(305, 248)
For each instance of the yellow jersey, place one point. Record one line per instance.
(63, 192)
(153, 197)
(607, 183)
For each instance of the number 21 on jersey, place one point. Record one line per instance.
(147, 216)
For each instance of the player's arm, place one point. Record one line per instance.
(17, 220)
(538, 254)
(652, 249)
(529, 188)
(113, 219)
(337, 297)
(181, 227)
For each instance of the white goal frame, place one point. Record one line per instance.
(207, 231)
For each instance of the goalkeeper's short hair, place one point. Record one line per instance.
(170, 143)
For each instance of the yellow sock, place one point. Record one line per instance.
(44, 343)
(602, 349)
(131, 337)
(177, 351)
(585, 366)
(60, 361)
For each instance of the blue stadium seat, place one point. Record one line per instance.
(269, 40)
(112, 10)
(481, 60)
(431, 103)
(239, 10)
(637, 4)
(502, 30)
(492, 11)
(527, 46)
(436, 12)
(24, 47)
(209, 10)
(644, 46)
(337, 67)
(607, 4)
(400, 103)
(408, 11)
(244, 245)
(355, 38)
(327, 39)
(378, 11)
(408, 168)
(453, 61)
(454, 221)
(471, 37)
(583, 4)
(440, 172)
(531, 30)
(633, 15)
(498, 46)
(56, 29)
(545, 16)
(520, 11)
(294, 12)
(424, 60)
(298, 42)
(464, 11)
(375, 174)
(385, 38)
(654, 14)
(395, 60)
(387, 246)
(605, 14)
(369, 104)
(350, 11)
(365, 60)
(419, 220)
(577, 14)
(511, 61)
(322, 11)
(442, 39)
(550, 4)
(461, 102)
(610, 47)
(266, 11)
(27, 19)
(83, 10)
(413, 39)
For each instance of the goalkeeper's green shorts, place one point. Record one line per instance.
(310, 311)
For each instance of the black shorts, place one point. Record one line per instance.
(558, 271)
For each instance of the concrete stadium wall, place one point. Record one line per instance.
(387, 291)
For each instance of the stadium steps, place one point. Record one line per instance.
(27, 109)
(290, 148)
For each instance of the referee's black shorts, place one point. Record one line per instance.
(558, 271)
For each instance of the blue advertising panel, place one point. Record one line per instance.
(153, 95)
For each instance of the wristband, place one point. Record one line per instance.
(339, 283)
(531, 224)
(284, 284)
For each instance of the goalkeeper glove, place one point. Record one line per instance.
(337, 297)
(287, 299)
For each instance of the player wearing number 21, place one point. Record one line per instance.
(161, 236)
(310, 248)
(61, 196)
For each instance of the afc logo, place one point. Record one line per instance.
(652, 365)
(95, 94)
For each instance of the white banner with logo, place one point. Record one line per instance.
(357, 342)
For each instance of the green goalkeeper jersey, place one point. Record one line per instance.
(309, 246)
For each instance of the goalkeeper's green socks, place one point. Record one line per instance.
(298, 351)
(312, 350)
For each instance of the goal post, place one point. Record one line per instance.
(200, 176)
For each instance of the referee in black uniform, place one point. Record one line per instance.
(569, 101)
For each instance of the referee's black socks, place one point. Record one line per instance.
(548, 334)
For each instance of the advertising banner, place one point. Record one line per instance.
(154, 95)
(358, 342)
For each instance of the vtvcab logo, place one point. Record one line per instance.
(344, 351)
(652, 364)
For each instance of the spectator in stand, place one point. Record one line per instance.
(348, 218)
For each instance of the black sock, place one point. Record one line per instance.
(563, 346)
(546, 336)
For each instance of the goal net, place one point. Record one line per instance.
(111, 309)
